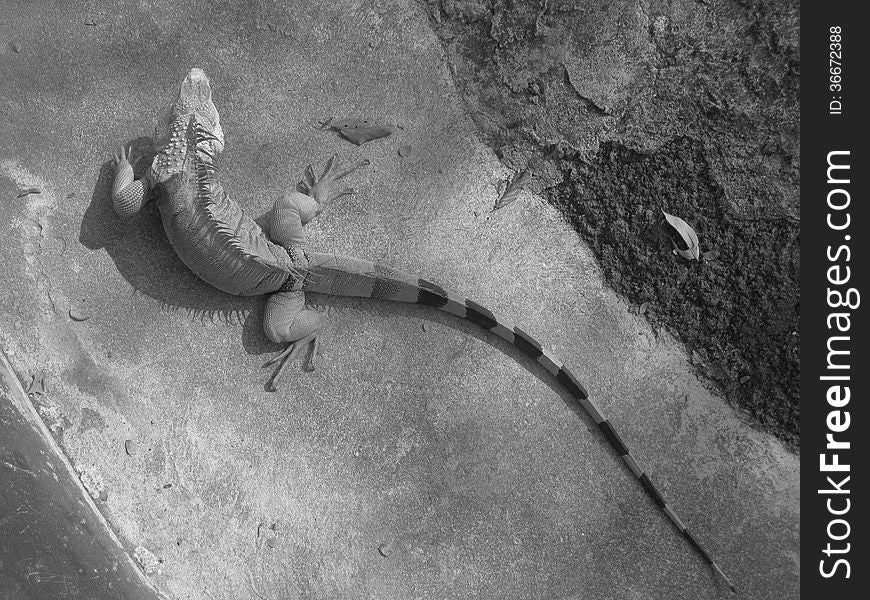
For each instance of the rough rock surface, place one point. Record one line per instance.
(623, 109)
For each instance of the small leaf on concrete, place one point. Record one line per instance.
(689, 237)
(512, 191)
(360, 131)
(37, 384)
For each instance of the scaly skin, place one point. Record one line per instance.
(223, 246)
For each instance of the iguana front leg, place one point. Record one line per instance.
(286, 318)
(129, 195)
(297, 208)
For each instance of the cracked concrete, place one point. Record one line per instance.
(417, 432)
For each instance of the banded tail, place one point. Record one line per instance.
(354, 277)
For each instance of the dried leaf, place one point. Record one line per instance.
(37, 384)
(512, 191)
(687, 254)
(689, 236)
(360, 131)
(643, 308)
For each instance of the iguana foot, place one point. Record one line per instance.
(128, 194)
(319, 188)
(290, 353)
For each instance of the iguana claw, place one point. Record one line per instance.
(319, 187)
(290, 353)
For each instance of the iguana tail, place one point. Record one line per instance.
(354, 277)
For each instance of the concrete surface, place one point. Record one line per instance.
(54, 541)
(436, 446)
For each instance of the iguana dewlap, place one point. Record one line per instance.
(222, 245)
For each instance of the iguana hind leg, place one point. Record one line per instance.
(287, 320)
(294, 209)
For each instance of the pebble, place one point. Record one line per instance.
(94, 484)
(405, 150)
(386, 549)
(130, 447)
(146, 559)
(16, 47)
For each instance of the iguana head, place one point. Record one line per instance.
(193, 101)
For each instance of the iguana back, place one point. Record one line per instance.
(209, 231)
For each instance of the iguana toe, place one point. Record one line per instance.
(288, 355)
(360, 163)
(310, 177)
(313, 352)
(328, 167)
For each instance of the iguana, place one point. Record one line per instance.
(222, 245)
